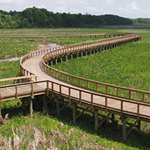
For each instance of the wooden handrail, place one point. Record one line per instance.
(93, 94)
(53, 54)
(54, 36)
(18, 78)
(67, 49)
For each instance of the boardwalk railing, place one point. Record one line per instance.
(54, 36)
(26, 72)
(93, 100)
(122, 92)
(17, 80)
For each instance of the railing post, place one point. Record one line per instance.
(69, 95)
(87, 84)
(143, 97)
(117, 92)
(121, 108)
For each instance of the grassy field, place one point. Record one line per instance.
(56, 31)
(14, 48)
(126, 65)
(53, 131)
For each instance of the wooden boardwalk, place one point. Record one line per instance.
(49, 83)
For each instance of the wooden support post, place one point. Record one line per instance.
(77, 54)
(123, 126)
(139, 125)
(51, 62)
(97, 49)
(61, 59)
(71, 56)
(113, 118)
(86, 53)
(74, 112)
(57, 106)
(96, 119)
(66, 57)
(56, 61)
(82, 54)
(31, 108)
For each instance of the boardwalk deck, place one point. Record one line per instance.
(96, 101)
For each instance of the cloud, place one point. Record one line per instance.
(108, 2)
(133, 7)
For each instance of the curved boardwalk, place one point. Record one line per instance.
(32, 64)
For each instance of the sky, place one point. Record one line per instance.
(124, 8)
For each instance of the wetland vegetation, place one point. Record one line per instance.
(128, 67)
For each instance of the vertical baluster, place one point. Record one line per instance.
(69, 95)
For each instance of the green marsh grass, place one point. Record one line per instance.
(126, 65)
(55, 129)
(14, 48)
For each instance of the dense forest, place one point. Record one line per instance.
(42, 18)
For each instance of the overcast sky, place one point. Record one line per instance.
(124, 8)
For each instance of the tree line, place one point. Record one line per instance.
(141, 21)
(42, 18)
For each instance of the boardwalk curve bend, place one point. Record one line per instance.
(57, 84)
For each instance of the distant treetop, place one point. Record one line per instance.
(42, 18)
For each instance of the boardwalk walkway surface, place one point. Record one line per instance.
(32, 65)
